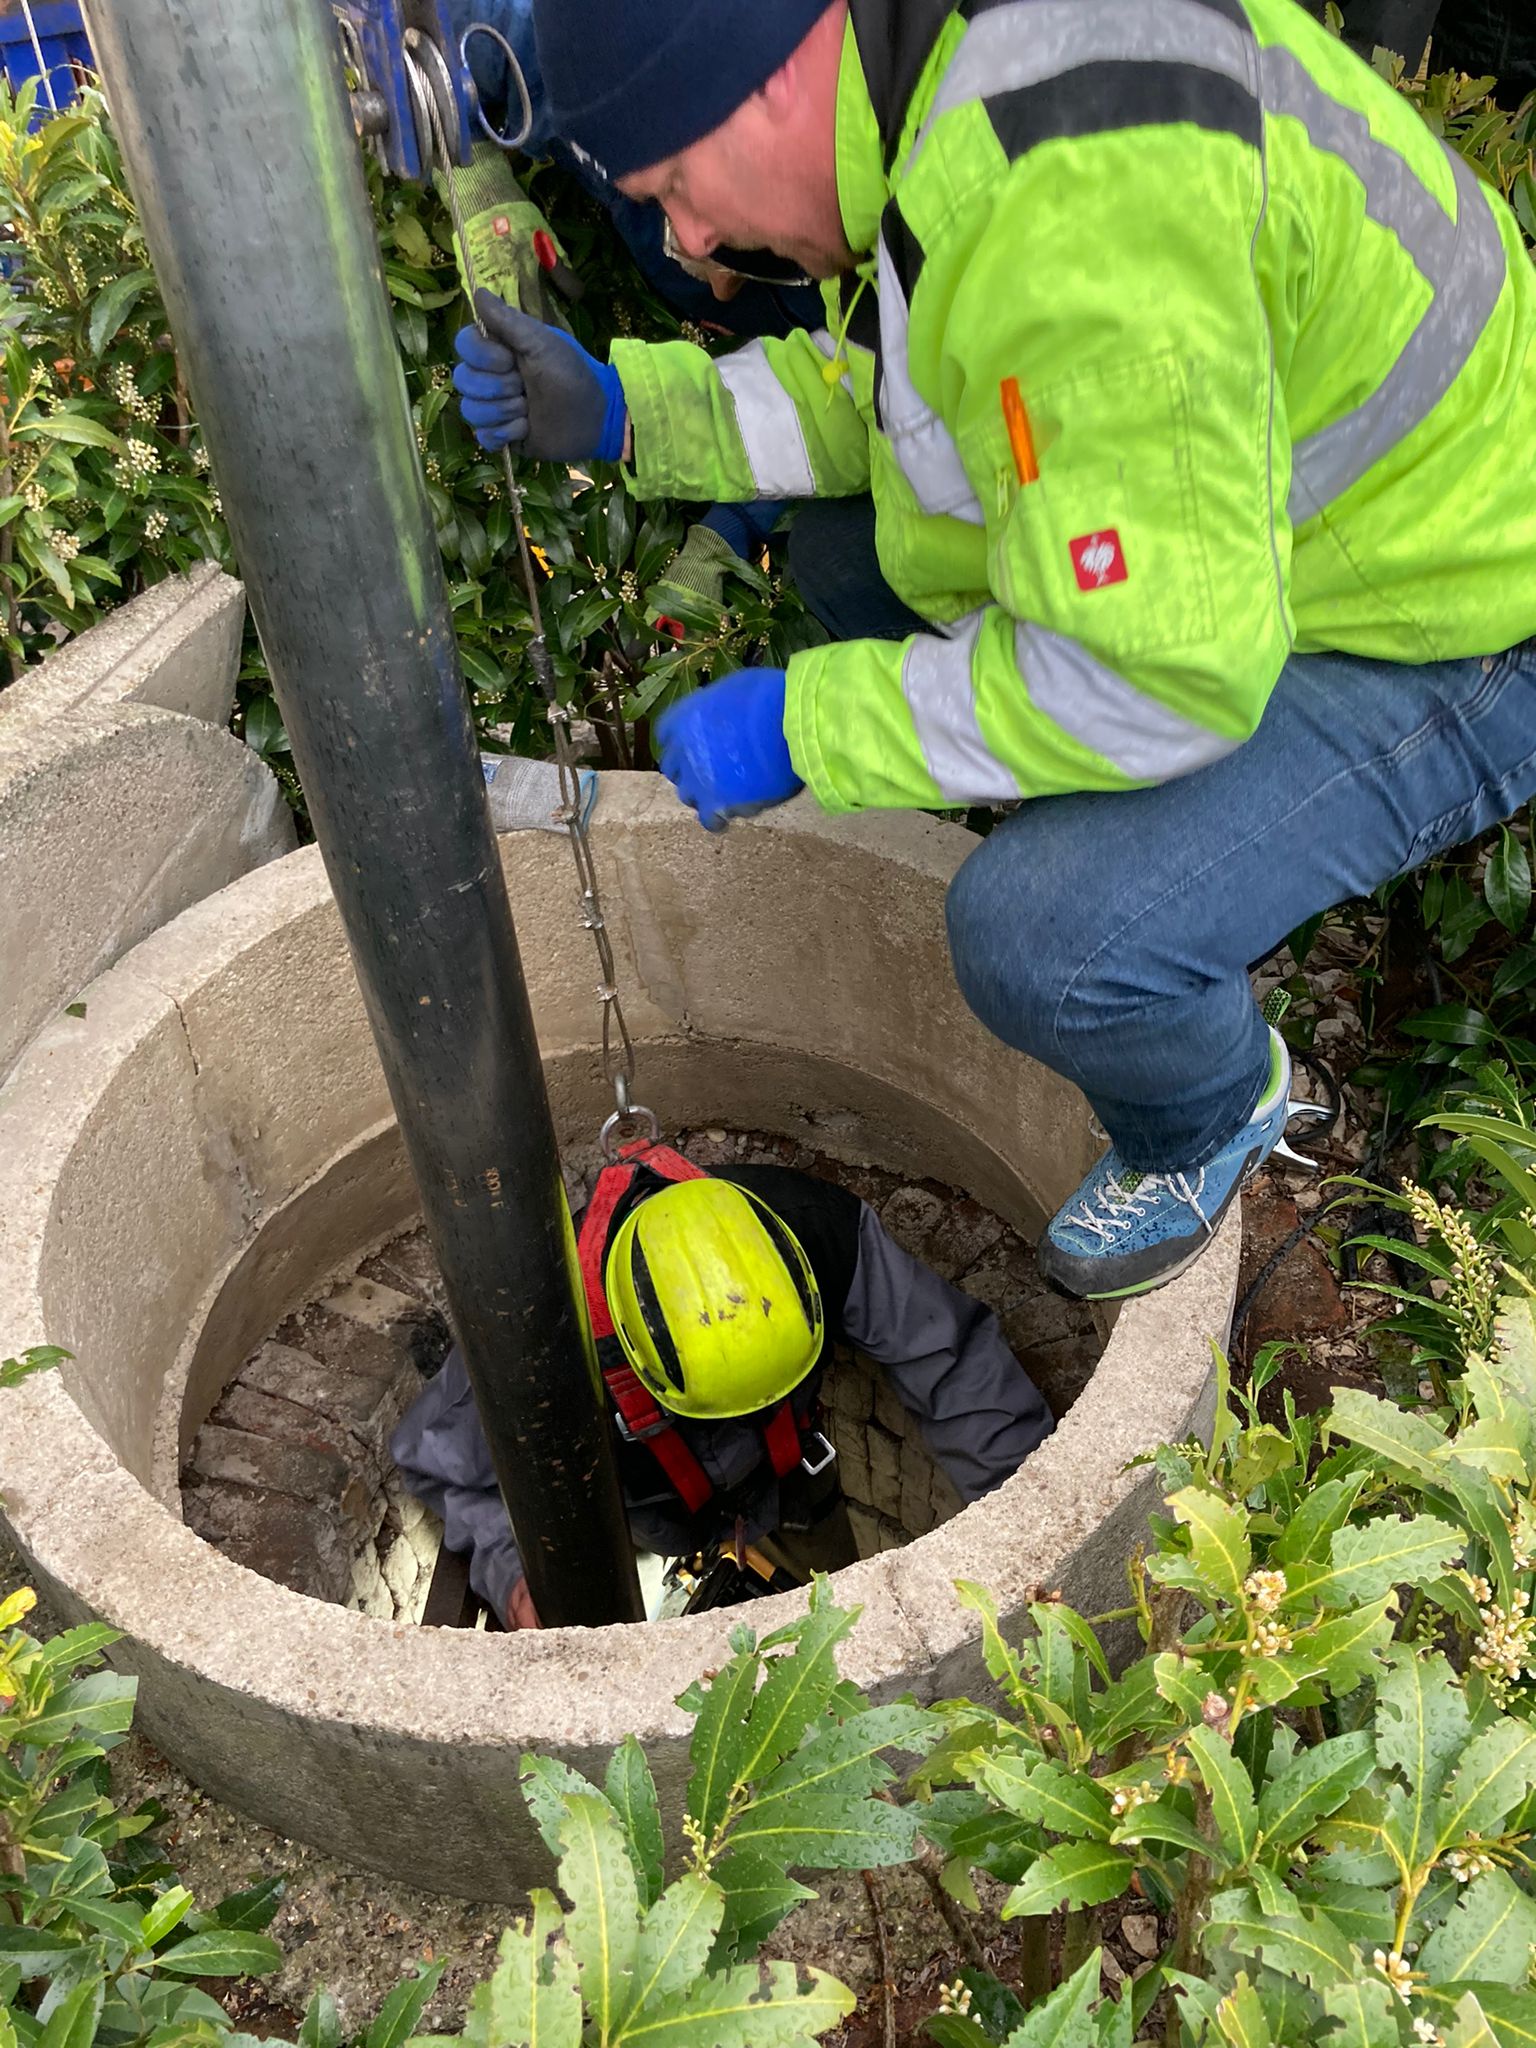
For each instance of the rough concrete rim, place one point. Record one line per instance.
(100, 1539)
(175, 646)
(113, 818)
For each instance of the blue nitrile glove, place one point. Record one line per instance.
(723, 749)
(536, 386)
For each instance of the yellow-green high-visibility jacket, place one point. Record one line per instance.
(1183, 344)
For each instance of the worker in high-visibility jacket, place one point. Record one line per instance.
(1195, 384)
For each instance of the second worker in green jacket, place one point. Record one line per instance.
(1194, 384)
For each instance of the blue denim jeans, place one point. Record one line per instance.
(1109, 936)
(834, 566)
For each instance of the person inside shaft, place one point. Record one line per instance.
(714, 1300)
(1170, 433)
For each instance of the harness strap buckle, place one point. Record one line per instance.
(640, 1432)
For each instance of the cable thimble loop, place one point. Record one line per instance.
(515, 70)
(639, 1122)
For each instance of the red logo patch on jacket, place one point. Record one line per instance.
(1098, 559)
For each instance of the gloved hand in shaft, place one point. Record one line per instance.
(691, 589)
(723, 749)
(536, 388)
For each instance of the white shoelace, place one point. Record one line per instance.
(1114, 1211)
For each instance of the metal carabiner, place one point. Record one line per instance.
(1304, 1113)
(828, 1453)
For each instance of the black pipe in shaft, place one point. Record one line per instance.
(234, 124)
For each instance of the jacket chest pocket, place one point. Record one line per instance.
(1106, 545)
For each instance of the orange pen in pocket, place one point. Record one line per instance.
(1021, 437)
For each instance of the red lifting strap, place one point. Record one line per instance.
(640, 1414)
(612, 1186)
(644, 1420)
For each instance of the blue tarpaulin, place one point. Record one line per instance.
(56, 33)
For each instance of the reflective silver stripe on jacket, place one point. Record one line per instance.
(1012, 47)
(1135, 733)
(938, 682)
(769, 423)
(1142, 738)
(919, 439)
(1461, 259)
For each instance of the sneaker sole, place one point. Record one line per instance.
(1150, 1286)
(1158, 1280)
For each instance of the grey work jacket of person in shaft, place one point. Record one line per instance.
(943, 1352)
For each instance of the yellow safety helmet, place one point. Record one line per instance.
(713, 1299)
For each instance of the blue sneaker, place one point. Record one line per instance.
(1125, 1232)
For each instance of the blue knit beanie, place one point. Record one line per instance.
(632, 82)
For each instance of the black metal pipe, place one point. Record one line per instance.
(235, 128)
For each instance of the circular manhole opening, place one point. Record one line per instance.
(290, 1474)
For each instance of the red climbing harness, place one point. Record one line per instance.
(641, 1418)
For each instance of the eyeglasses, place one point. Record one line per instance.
(734, 261)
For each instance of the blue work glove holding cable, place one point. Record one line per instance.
(723, 749)
(533, 386)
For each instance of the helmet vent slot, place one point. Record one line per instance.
(794, 1264)
(655, 1319)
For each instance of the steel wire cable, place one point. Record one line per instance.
(432, 97)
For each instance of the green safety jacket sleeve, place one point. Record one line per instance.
(1141, 617)
(765, 421)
